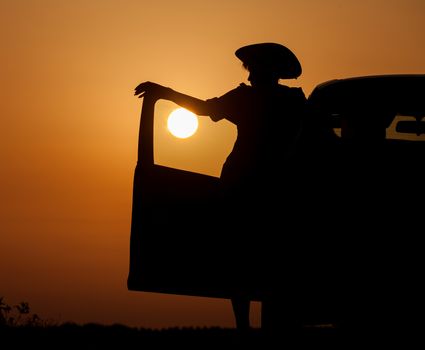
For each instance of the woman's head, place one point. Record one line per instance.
(261, 75)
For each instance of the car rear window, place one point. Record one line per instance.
(394, 135)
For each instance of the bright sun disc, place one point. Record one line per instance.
(182, 123)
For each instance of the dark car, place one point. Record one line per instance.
(354, 251)
(361, 174)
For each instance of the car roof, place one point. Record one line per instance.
(396, 94)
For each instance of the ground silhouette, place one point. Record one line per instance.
(97, 336)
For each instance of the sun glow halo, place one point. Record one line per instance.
(181, 123)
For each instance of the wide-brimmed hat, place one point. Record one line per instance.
(273, 56)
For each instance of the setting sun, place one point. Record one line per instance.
(182, 123)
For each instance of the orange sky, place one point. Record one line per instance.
(69, 124)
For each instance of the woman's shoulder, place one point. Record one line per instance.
(293, 92)
(290, 89)
(240, 91)
(243, 88)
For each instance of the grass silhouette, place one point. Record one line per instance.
(21, 329)
(97, 336)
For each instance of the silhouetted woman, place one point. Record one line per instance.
(268, 117)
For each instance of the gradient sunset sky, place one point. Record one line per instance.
(69, 126)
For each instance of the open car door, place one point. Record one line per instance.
(167, 253)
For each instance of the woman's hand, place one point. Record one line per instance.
(151, 88)
(193, 104)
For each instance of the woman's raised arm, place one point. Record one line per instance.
(195, 105)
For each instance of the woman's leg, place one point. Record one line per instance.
(241, 311)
